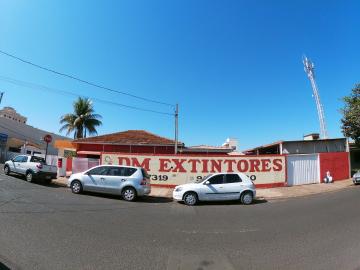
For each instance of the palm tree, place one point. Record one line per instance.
(82, 121)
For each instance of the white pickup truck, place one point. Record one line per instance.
(31, 167)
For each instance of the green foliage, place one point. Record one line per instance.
(82, 121)
(351, 115)
(69, 153)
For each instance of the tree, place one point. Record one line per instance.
(83, 121)
(351, 115)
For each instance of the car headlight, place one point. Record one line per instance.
(178, 189)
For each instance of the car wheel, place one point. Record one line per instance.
(190, 198)
(48, 181)
(247, 198)
(29, 177)
(129, 194)
(7, 170)
(76, 187)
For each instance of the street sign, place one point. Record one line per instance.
(48, 138)
(3, 137)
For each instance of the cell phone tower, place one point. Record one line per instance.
(309, 69)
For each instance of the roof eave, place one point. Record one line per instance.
(128, 144)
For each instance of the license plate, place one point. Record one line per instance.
(48, 177)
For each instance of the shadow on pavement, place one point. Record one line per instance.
(39, 182)
(144, 199)
(3, 266)
(236, 202)
(153, 199)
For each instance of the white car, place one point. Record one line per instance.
(31, 167)
(129, 182)
(356, 178)
(217, 187)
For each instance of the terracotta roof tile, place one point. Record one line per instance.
(129, 137)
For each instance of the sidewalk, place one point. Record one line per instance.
(303, 190)
(267, 194)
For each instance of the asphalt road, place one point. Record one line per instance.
(48, 227)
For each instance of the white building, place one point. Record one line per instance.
(10, 113)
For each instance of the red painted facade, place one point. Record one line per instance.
(337, 163)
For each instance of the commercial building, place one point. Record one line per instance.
(10, 113)
(309, 145)
(19, 137)
(310, 160)
(136, 142)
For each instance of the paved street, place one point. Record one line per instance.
(48, 227)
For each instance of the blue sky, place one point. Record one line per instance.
(234, 67)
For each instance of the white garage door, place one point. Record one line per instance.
(303, 169)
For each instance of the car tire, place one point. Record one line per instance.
(7, 170)
(190, 198)
(76, 187)
(128, 194)
(247, 197)
(48, 181)
(29, 177)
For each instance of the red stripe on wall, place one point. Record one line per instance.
(271, 185)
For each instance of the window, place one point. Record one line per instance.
(98, 171)
(15, 150)
(144, 173)
(232, 178)
(114, 171)
(129, 171)
(18, 159)
(37, 159)
(217, 179)
(120, 171)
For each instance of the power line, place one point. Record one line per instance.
(58, 91)
(83, 81)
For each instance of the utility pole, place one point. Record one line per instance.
(176, 127)
(1, 96)
(309, 70)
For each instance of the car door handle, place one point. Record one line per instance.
(102, 178)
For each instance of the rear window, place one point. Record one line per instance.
(37, 159)
(144, 173)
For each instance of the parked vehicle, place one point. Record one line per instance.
(129, 182)
(217, 187)
(32, 167)
(356, 178)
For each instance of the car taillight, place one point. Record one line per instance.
(143, 182)
(39, 166)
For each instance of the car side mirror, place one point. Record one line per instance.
(207, 183)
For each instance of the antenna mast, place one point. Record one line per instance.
(309, 69)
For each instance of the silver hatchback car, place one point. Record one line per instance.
(129, 182)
